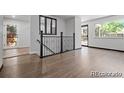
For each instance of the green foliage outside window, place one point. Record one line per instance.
(11, 28)
(111, 29)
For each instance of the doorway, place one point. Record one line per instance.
(84, 35)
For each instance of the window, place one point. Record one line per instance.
(11, 35)
(113, 29)
(48, 25)
(42, 24)
(54, 26)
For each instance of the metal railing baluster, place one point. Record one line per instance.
(50, 45)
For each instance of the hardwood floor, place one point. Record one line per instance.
(15, 52)
(73, 64)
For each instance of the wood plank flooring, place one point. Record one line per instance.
(15, 52)
(73, 64)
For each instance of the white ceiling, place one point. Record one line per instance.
(91, 17)
(64, 16)
(83, 17)
(18, 17)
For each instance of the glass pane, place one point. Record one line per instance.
(84, 30)
(84, 35)
(11, 36)
(53, 26)
(110, 29)
(48, 26)
(97, 30)
(42, 25)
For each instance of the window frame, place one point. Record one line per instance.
(105, 37)
(51, 32)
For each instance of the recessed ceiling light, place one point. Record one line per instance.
(13, 16)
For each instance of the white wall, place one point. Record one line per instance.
(70, 26)
(35, 46)
(73, 25)
(23, 31)
(77, 32)
(61, 26)
(1, 40)
(110, 43)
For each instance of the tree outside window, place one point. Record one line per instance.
(111, 29)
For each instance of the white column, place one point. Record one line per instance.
(77, 32)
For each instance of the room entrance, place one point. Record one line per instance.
(84, 35)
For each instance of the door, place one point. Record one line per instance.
(84, 35)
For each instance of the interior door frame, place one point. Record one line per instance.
(87, 34)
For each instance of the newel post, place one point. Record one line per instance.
(73, 41)
(61, 37)
(41, 46)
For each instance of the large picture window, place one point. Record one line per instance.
(48, 25)
(113, 29)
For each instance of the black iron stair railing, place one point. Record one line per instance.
(46, 47)
(50, 45)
